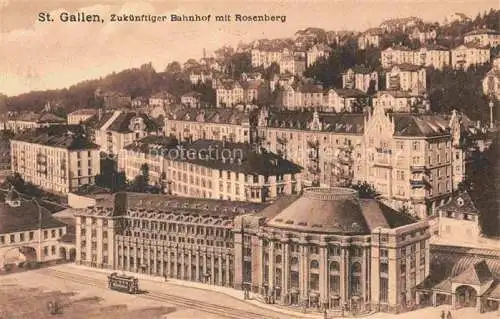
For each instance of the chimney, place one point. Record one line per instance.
(99, 113)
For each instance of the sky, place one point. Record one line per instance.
(38, 55)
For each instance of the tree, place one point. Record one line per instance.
(365, 190)
(173, 67)
(145, 172)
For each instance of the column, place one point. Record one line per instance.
(261, 265)
(204, 267)
(323, 273)
(271, 265)
(212, 268)
(155, 260)
(135, 257)
(285, 271)
(363, 277)
(162, 261)
(183, 265)
(220, 270)
(169, 261)
(197, 266)
(126, 253)
(190, 267)
(176, 261)
(304, 271)
(227, 270)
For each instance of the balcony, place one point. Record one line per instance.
(418, 182)
(418, 168)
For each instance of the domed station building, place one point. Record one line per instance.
(327, 249)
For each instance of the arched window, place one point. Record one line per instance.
(294, 261)
(334, 266)
(314, 264)
(278, 259)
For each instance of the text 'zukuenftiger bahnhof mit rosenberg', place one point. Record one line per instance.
(83, 17)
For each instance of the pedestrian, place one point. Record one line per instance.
(443, 315)
(449, 316)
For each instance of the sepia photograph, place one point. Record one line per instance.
(239, 159)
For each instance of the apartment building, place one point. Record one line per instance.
(429, 55)
(469, 54)
(423, 34)
(230, 93)
(370, 38)
(266, 55)
(191, 99)
(200, 76)
(115, 130)
(55, 159)
(162, 99)
(483, 37)
(316, 52)
(214, 169)
(295, 65)
(396, 55)
(28, 234)
(215, 124)
(323, 143)
(397, 101)
(410, 159)
(406, 77)
(361, 78)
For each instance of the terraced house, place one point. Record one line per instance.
(213, 169)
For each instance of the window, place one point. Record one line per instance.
(334, 266)
(384, 290)
(53, 250)
(21, 237)
(53, 233)
(31, 235)
(12, 238)
(2, 240)
(45, 234)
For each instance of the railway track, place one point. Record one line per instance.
(223, 311)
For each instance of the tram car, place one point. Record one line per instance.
(123, 283)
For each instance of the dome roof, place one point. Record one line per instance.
(333, 210)
(339, 211)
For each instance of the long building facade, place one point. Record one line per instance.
(55, 159)
(344, 253)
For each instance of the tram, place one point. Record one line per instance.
(123, 283)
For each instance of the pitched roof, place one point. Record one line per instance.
(461, 203)
(39, 118)
(395, 94)
(68, 137)
(419, 125)
(122, 122)
(477, 274)
(162, 205)
(481, 31)
(84, 112)
(211, 115)
(24, 218)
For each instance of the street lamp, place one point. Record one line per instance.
(39, 228)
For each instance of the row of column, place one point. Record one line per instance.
(304, 272)
(162, 264)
